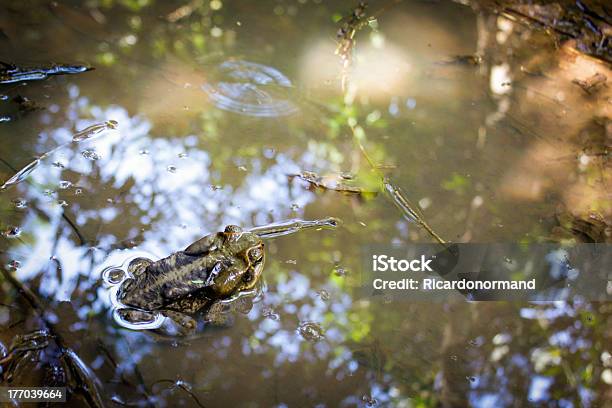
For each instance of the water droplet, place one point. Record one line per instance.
(14, 265)
(324, 295)
(270, 314)
(11, 232)
(90, 154)
(171, 169)
(63, 184)
(311, 332)
(113, 275)
(20, 203)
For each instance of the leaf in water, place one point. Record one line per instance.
(93, 130)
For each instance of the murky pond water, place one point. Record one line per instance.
(218, 106)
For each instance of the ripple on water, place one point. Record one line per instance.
(251, 89)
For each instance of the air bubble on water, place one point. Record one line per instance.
(454, 357)
(471, 379)
(216, 187)
(294, 207)
(90, 154)
(20, 203)
(48, 193)
(78, 191)
(311, 332)
(171, 169)
(64, 184)
(14, 265)
(182, 155)
(242, 168)
(143, 152)
(507, 260)
(62, 203)
(324, 295)
(291, 261)
(113, 275)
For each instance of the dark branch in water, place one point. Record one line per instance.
(10, 73)
(331, 183)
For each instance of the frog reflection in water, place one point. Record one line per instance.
(189, 282)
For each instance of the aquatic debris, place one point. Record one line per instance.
(79, 136)
(369, 401)
(346, 38)
(5, 118)
(269, 313)
(20, 203)
(289, 227)
(331, 183)
(26, 104)
(408, 210)
(471, 59)
(591, 84)
(11, 232)
(94, 129)
(340, 271)
(311, 331)
(251, 89)
(21, 174)
(63, 184)
(10, 73)
(90, 154)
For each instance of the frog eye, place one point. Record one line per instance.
(255, 254)
(247, 277)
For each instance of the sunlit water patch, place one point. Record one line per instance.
(251, 89)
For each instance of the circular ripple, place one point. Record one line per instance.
(251, 89)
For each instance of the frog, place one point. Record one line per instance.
(186, 284)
